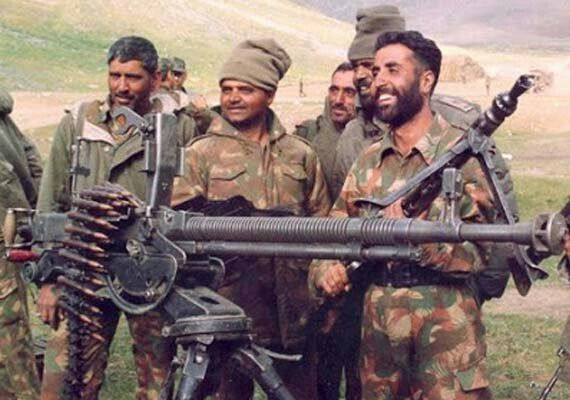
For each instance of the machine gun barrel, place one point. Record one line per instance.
(543, 234)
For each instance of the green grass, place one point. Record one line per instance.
(522, 351)
(60, 46)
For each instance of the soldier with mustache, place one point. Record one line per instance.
(422, 332)
(337, 336)
(340, 108)
(106, 155)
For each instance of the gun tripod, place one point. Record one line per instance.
(213, 331)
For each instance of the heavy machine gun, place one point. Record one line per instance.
(147, 255)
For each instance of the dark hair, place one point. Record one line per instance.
(425, 50)
(130, 48)
(343, 67)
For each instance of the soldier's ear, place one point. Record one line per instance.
(270, 97)
(155, 79)
(427, 82)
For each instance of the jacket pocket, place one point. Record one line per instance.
(224, 181)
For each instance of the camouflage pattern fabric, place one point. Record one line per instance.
(363, 131)
(20, 167)
(119, 159)
(152, 355)
(285, 172)
(423, 341)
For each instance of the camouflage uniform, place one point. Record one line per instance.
(118, 159)
(286, 173)
(422, 341)
(362, 131)
(19, 173)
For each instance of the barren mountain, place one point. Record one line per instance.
(520, 23)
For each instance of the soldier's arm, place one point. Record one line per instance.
(55, 186)
(194, 182)
(329, 276)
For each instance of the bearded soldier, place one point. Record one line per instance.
(422, 333)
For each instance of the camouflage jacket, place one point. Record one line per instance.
(19, 151)
(324, 136)
(20, 170)
(380, 170)
(105, 155)
(361, 132)
(283, 173)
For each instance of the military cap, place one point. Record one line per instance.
(370, 23)
(177, 65)
(261, 63)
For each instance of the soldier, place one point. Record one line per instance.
(20, 171)
(337, 348)
(164, 67)
(324, 131)
(422, 333)
(365, 129)
(132, 73)
(247, 152)
(177, 74)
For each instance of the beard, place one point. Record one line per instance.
(408, 103)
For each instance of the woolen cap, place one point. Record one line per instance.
(370, 23)
(261, 63)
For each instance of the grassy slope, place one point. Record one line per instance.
(57, 45)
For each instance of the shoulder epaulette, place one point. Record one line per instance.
(458, 103)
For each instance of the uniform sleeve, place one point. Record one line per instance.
(476, 206)
(342, 208)
(194, 181)
(55, 186)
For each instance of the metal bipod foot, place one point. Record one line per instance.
(259, 367)
(193, 372)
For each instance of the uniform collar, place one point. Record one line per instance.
(428, 146)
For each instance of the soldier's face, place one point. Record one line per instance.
(130, 85)
(401, 85)
(363, 77)
(177, 79)
(242, 104)
(342, 98)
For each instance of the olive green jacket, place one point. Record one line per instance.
(104, 156)
(323, 136)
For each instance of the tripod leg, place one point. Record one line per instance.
(194, 371)
(259, 367)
